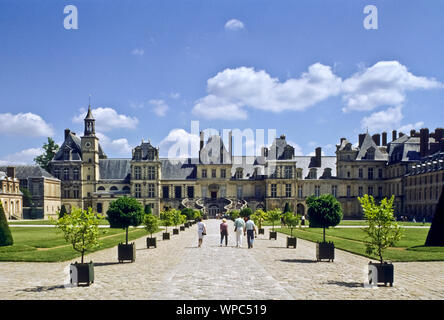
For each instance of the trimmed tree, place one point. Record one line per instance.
(324, 212)
(234, 214)
(167, 218)
(287, 208)
(259, 217)
(382, 230)
(62, 211)
(5, 233)
(125, 212)
(81, 229)
(148, 209)
(435, 237)
(273, 216)
(291, 221)
(245, 212)
(151, 223)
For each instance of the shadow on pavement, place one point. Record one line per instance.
(298, 261)
(102, 264)
(43, 288)
(345, 284)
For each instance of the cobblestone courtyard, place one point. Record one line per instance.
(177, 269)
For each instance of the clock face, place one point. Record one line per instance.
(88, 144)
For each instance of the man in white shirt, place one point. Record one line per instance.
(239, 225)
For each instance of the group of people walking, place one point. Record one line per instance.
(242, 227)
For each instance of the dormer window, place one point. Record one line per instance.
(239, 173)
(66, 154)
(312, 174)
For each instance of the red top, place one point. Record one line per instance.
(224, 227)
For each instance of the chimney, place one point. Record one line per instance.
(230, 145)
(342, 139)
(10, 171)
(424, 141)
(377, 139)
(394, 135)
(201, 145)
(384, 139)
(67, 131)
(412, 133)
(439, 134)
(401, 134)
(318, 153)
(264, 152)
(361, 139)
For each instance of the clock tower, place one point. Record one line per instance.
(90, 160)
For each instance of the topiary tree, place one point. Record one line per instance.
(234, 214)
(324, 212)
(167, 218)
(291, 221)
(176, 217)
(5, 233)
(382, 230)
(189, 213)
(81, 229)
(435, 237)
(148, 209)
(259, 217)
(287, 208)
(151, 223)
(62, 211)
(245, 212)
(125, 212)
(273, 216)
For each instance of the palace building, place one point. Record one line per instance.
(410, 167)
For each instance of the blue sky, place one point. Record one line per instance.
(308, 69)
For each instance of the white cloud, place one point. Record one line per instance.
(383, 84)
(175, 95)
(180, 144)
(24, 157)
(108, 119)
(138, 52)
(117, 146)
(383, 120)
(408, 127)
(232, 90)
(24, 124)
(234, 25)
(160, 107)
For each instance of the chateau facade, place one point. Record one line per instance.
(217, 181)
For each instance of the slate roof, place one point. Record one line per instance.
(115, 169)
(405, 148)
(211, 152)
(24, 172)
(145, 148)
(277, 150)
(248, 165)
(179, 169)
(74, 143)
(305, 162)
(365, 151)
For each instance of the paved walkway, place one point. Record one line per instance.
(178, 270)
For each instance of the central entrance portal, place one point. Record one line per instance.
(213, 194)
(213, 211)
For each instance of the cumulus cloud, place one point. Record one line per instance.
(180, 144)
(138, 52)
(159, 107)
(383, 84)
(233, 90)
(24, 157)
(408, 127)
(116, 146)
(383, 120)
(24, 124)
(108, 119)
(234, 25)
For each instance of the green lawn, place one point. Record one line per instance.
(103, 222)
(409, 248)
(359, 223)
(43, 244)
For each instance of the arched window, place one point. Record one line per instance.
(101, 188)
(113, 188)
(126, 189)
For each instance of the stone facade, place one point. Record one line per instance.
(217, 181)
(10, 196)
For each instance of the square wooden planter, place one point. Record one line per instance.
(166, 236)
(126, 252)
(175, 231)
(325, 251)
(187, 225)
(273, 235)
(151, 242)
(291, 242)
(380, 273)
(182, 228)
(261, 231)
(81, 273)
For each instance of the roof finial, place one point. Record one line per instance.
(89, 104)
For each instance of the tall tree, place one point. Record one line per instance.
(435, 236)
(5, 233)
(50, 149)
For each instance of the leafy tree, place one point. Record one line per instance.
(245, 212)
(81, 229)
(382, 230)
(167, 218)
(234, 214)
(151, 223)
(62, 211)
(273, 216)
(5, 233)
(125, 212)
(324, 211)
(177, 217)
(291, 221)
(27, 198)
(259, 217)
(287, 208)
(50, 149)
(189, 213)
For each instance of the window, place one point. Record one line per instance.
(88, 178)
(380, 173)
(223, 173)
(213, 173)
(76, 193)
(239, 173)
(348, 191)
(431, 193)
(151, 190)
(348, 174)
(257, 191)
(317, 191)
(66, 193)
(299, 174)
(273, 190)
(204, 173)
(190, 192)
(114, 188)
(360, 173)
(178, 192)
(334, 191)
(360, 191)
(99, 208)
(165, 192)
(151, 173)
(380, 192)
(75, 174)
(66, 174)
(312, 174)
(57, 173)
(370, 173)
(239, 192)
(137, 173)
(101, 188)
(288, 190)
(370, 191)
(288, 173)
(137, 190)
(300, 192)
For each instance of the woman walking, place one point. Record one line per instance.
(201, 231)
(224, 232)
